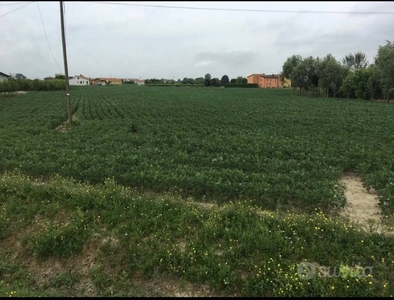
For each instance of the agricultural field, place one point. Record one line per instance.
(220, 144)
(227, 190)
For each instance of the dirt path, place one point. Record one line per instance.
(14, 93)
(362, 207)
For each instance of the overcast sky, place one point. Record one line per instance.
(105, 40)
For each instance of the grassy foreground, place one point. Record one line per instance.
(64, 238)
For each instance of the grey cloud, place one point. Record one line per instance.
(325, 39)
(127, 41)
(228, 58)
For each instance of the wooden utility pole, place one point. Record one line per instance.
(65, 66)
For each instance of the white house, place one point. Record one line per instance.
(79, 80)
(3, 77)
(138, 81)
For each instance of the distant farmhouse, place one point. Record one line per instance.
(3, 77)
(268, 81)
(79, 80)
(105, 81)
(113, 80)
(138, 81)
(98, 81)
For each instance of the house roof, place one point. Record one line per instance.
(270, 76)
(266, 76)
(81, 76)
(110, 79)
(255, 75)
(5, 75)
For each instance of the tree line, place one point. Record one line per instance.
(19, 82)
(207, 80)
(351, 77)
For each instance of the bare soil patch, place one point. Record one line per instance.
(173, 287)
(362, 206)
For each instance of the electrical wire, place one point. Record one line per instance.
(16, 9)
(5, 4)
(250, 10)
(46, 36)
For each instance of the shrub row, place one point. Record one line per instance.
(14, 85)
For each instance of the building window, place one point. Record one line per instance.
(77, 81)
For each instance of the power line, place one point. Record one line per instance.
(251, 10)
(16, 9)
(5, 4)
(46, 36)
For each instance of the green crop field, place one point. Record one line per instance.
(131, 178)
(218, 144)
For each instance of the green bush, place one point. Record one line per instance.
(14, 85)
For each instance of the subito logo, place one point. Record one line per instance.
(306, 270)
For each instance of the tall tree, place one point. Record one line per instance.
(312, 76)
(60, 76)
(355, 61)
(199, 80)
(324, 78)
(385, 64)
(298, 77)
(360, 81)
(360, 61)
(374, 82)
(241, 80)
(348, 85)
(19, 76)
(224, 80)
(188, 81)
(335, 71)
(305, 74)
(288, 68)
(215, 82)
(207, 78)
(330, 73)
